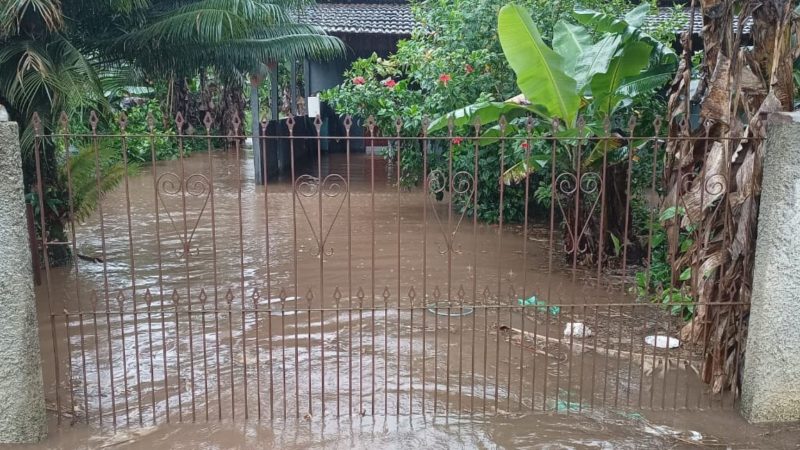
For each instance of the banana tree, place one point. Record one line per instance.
(597, 66)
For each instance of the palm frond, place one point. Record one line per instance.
(13, 12)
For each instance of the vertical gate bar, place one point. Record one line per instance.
(666, 367)
(641, 366)
(93, 123)
(265, 170)
(603, 203)
(122, 125)
(558, 332)
(650, 226)
(546, 372)
(203, 317)
(553, 193)
(632, 338)
(290, 126)
(425, 194)
(475, 147)
(583, 353)
(179, 384)
(45, 253)
(653, 372)
(399, 125)
(499, 260)
(619, 355)
(71, 202)
(569, 363)
(208, 121)
(609, 310)
(576, 227)
(702, 188)
(450, 248)
(348, 121)
(229, 303)
(152, 141)
(526, 145)
(533, 365)
(371, 125)
(628, 195)
(121, 303)
(179, 122)
(594, 358)
(411, 299)
(236, 144)
(148, 298)
(322, 295)
(96, 330)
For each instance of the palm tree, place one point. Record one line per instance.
(54, 54)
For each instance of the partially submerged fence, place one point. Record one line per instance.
(542, 271)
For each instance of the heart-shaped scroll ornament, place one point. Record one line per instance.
(462, 189)
(312, 194)
(569, 189)
(194, 186)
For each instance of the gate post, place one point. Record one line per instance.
(771, 379)
(22, 408)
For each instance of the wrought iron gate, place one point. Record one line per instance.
(348, 286)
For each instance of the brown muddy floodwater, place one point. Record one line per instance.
(209, 320)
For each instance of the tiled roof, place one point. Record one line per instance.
(361, 18)
(666, 14)
(397, 18)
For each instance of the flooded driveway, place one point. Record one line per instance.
(201, 296)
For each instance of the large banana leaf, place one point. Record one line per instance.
(634, 58)
(653, 79)
(484, 113)
(570, 41)
(540, 70)
(596, 58)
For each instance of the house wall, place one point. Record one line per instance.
(324, 75)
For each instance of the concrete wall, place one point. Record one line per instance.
(22, 410)
(771, 381)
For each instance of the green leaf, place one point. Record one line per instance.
(596, 59)
(570, 41)
(601, 22)
(649, 81)
(540, 70)
(636, 17)
(615, 241)
(634, 58)
(686, 274)
(671, 212)
(485, 112)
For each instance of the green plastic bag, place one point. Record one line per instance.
(540, 305)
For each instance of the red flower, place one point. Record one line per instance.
(390, 83)
(445, 78)
(359, 80)
(469, 69)
(525, 146)
(456, 140)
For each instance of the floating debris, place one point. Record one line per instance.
(578, 330)
(541, 305)
(451, 309)
(662, 341)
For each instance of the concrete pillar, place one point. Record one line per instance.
(771, 380)
(22, 408)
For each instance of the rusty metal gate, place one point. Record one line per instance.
(352, 284)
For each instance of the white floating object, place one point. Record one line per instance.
(248, 143)
(577, 329)
(662, 341)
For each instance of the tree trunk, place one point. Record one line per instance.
(233, 105)
(738, 85)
